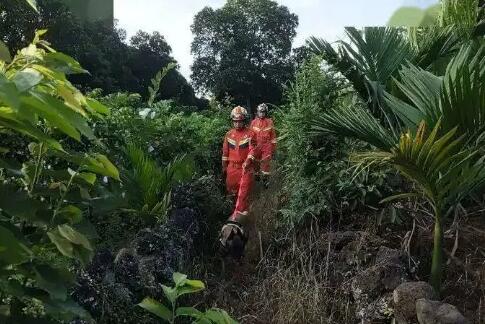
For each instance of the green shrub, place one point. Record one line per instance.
(44, 187)
(319, 181)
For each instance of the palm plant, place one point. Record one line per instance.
(444, 163)
(369, 62)
(149, 185)
(373, 57)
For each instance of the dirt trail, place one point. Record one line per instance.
(231, 287)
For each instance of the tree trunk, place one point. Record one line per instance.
(437, 262)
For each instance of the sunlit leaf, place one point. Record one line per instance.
(74, 236)
(26, 79)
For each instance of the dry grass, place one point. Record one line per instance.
(295, 282)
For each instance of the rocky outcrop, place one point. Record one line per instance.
(372, 287)
(112, 285)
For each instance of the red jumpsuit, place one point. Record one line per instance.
(266, 138)
(238, 146)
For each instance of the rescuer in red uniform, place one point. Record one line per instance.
(239, 152)
(263, 128)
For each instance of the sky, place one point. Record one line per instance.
(321, 18)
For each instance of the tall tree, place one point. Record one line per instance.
(243, 50)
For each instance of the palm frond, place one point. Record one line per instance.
(441, 167)
(146, 178)
(458, 98)
(434, 46)
(368, 62)
(377, 52)
(341, 62)
(354, 122)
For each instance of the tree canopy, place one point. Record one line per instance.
(243, 50)
(114, 64)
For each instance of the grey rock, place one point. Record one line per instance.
(435, 312)
(405, 296)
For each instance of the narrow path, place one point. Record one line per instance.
(231, 289)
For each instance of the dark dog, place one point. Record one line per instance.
(233, 239)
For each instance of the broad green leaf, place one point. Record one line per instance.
(74, 236)
(63, 245)
(9, 94)
(82, 254)
(53, 111)
(70, 213)
(28, 172)
(170, 293)
(156, 308)
(38, 34)
(88, 177)
(67, 310)
(26, 79)
(219, 316)
(96, 106)
(187, 290)
(100, 164)
(179, 278)
(189, 311)
(63, 63)
(53, 280)
(4, 53)
(17, 203)
(12, 251)
(29, 130)
(195, 284)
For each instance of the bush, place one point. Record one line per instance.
(165, 130)
(318, 179)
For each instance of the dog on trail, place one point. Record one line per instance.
(233, 239)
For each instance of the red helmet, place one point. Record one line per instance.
(239, 114)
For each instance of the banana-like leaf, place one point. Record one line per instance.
(156, 308)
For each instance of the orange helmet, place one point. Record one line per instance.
(239, 114)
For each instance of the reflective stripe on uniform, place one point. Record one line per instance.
(244, 141)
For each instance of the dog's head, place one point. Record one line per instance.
(233, 240)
